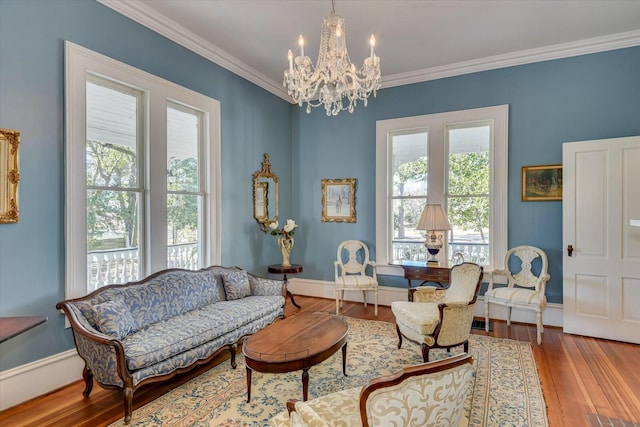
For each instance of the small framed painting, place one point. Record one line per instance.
(541, 183)
(339, 200)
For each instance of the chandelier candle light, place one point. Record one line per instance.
(433, 219)
(334, 82)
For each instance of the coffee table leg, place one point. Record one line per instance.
(344, 359)
(305, 384)
(248, 384)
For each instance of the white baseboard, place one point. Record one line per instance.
(34, 379)
(552, 315)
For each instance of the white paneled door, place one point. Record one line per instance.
(600, 218)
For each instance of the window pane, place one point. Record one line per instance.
(182, 149)
(410, 164)
(113, 232)
(111, 136)
(408, 243)
(469, 219)
(469, 160)
(468, 192)
(183, 212)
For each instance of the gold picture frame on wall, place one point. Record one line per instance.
(541, 183)
(9, 175)
(339, 200)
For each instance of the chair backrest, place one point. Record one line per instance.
(525, 257)
(464, 283)
(428, 394)
(353, 257)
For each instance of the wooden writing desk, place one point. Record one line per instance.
(426, 273)
(12, 326)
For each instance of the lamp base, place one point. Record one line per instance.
(433, 263)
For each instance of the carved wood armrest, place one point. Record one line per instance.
(291, 405)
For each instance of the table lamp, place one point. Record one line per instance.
(433, 219)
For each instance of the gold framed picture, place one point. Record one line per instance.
(9, 175)
(542, 183)
(338, 200)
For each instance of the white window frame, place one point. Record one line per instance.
(437, 157)
(79, 62)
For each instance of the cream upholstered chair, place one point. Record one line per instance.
(440, 318)
(351, 272)
(524, 288)
(429, 394)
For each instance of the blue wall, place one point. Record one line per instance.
(587, 97)
(580, 98)
(32, 35)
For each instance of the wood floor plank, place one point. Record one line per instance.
(580, 376)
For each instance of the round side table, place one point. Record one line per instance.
(291, 269)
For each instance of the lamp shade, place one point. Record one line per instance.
(433, 218)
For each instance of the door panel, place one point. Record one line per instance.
(631, 203)
(601, 200)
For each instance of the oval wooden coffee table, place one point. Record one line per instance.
(297, 342)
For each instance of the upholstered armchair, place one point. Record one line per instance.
(354, 271)
(525, 289)
(440, 318)
(429, 394)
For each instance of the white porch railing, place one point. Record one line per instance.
(114, 266)
(416, 251)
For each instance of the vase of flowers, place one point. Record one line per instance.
(285, 238)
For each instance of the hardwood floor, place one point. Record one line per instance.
(580, 377)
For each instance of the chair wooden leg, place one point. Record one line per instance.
(486, 316)
(88, 381)
(337, 302)
(539, 328)
(375, 296)
(364, 297)
(509, 316)
(399, 336)
(465, 346)
(425, 352)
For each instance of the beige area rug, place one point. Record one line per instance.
(507, 388)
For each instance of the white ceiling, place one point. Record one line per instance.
(417, 40)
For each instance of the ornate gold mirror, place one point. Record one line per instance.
(265, 195)
(9, 175)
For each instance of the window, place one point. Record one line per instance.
(456, 159)
(142, 174)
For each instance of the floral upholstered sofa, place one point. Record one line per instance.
(167, 323)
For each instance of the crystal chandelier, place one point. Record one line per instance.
(334, 82)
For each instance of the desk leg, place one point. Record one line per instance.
(289, 294)
(248, 384)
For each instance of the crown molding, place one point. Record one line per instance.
(164, 26)
(547, 53)
(142, 14)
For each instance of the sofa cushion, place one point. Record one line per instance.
(236, 284)
(422, 317)
(113, 318)
(162, 340)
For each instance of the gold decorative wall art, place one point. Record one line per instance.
(9, 175)
(338, 200)
(541, 183)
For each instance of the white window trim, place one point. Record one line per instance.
(78, 62)
(436, 123)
